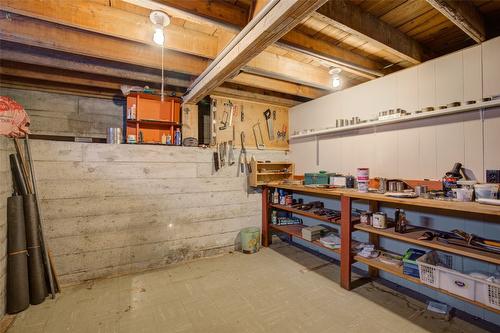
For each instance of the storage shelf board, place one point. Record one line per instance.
(469, 207)
(295, 230)
(398, 271)
(303, 213)
(423, 115)
(412, 237)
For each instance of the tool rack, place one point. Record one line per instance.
(349, 224)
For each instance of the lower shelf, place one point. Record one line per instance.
(295, 230)
(398, 271)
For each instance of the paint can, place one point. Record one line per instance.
(288, 200)
(114, 135)
(363, 175)
(379, 220)
(365, 218)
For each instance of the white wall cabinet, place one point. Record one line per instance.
(491, 67)
(449, 79)
(406, 89)
(473, 75)
(426, 84)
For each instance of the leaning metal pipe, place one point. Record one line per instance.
(40, 229)
(257, 18)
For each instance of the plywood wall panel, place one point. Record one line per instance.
(491, 67)
(492, 139)
(449, 78)
(473, 74)
(449, 146)
(408, 153)
(473, 144)
(407, 89)
(427, 84)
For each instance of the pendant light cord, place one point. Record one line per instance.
(162, 73)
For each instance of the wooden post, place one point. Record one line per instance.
(266, 235)
(373, 239)
(345, 248)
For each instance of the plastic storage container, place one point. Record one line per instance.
(435, 270)
(486, 191)
(316, 178)
(410, 266)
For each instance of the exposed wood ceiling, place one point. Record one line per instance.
(96, 45)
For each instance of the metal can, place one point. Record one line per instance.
(288, 200)
(392, 186)
(365, 218)
(400, 186)
(379, 220)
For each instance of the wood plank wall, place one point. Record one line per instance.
(68, 115)
(5, 189)
(115, 209)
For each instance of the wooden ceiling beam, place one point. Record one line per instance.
(193, 11)
(91, 16)
(83, 64)
(274, 24)
(29, 31)
(464, 15)
(352, 19)
(278, 85)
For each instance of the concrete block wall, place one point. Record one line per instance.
(115, 209)
(68, 115)
(5, 191)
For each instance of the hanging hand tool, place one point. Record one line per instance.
(282, 134)
(259, 140)
(231, 114)
(216, 158)
(243, 155)
(270, 131)
(214, 121)
(230, 158)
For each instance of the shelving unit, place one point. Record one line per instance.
(415, 116)
(153, 117)
(264, 173)
(348, 225)
(302, 212)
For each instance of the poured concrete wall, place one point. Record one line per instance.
(68, 115)
(115, 209)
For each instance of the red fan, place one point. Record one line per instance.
(14, 121)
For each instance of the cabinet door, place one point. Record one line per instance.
(473, 87)
(491, 67)
(426, 84)
(406, 89)
(449, 79)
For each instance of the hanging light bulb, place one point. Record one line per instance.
(159, 37)
(160, 21)
(336, 80)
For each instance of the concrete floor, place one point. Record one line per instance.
(280, 289)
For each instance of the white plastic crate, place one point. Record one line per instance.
(435, 270)
(429, 264)
(488, 293)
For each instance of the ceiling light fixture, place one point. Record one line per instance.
(336, 80)
(160, 21)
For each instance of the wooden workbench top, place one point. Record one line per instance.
(469, 207)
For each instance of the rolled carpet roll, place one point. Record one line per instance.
(36, 271)
(18, 297)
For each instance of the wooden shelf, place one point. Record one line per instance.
(257, 178)
(303, 213)
(295, 230)
(414, 116)
(412, 238)
(154, 122)
(398, 271)
(469, 207)
(273, 173)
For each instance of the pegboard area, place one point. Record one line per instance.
(253, 114)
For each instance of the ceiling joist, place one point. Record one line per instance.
(464, 15)
(281, 17)
(352, 19)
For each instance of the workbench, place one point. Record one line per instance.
(349, 224)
